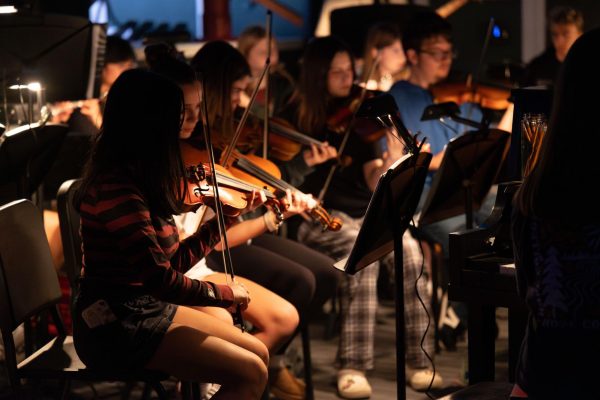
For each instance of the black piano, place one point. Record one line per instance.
(482, 272)
(482, 275)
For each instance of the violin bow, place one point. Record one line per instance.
(476, 75)
(267, 92)
(226, 254)
(226, 156)
(363, 94)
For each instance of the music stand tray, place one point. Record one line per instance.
(388, 215)
(26, 155)
(469, 168)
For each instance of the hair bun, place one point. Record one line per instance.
(158, 54)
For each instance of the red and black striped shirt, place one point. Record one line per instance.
(125, 244)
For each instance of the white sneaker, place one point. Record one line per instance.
(352, 384)
(419, 379)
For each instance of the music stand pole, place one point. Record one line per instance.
(388, 215)
(398, 231)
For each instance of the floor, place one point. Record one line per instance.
(451, 365)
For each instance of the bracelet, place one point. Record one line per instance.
(271, 221)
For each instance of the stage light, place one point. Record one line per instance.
(8, 9)
(33, 86)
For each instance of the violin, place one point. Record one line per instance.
(493, 97)
(368, 130)
(262, 171)
(233, 201)
(285, 142)
(232, 190)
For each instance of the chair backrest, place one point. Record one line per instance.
(28, 280)
(68, 217)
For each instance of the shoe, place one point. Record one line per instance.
(419, 379)
(285, 386)
(352, 384)
(208, 390)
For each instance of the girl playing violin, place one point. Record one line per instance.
(274, 319)
(383, 46)
(299, 274)
(133, 308)
(327, 85)
(252, 43)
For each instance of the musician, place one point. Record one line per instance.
(132, 308)
(427, 41)
(297, 273)
(274, 320)
(566, 25)
(555, 231)
(325, 88)
(383, 44)
(84, 119)
(252, 43)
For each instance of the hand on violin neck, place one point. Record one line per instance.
(319, 154)
(395, 148)
(255, 199)
(297, 202)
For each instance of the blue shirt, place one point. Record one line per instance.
(412, 101)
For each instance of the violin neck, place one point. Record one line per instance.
(254, 170)
(293, 135)
(241, 185)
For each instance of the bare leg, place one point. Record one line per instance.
(52, 228)
(274, 317)
(199, 347)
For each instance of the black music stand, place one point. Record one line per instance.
(26, 155)
(388, 215)
(469, 168)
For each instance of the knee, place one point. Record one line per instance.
(252, 374)
(260, 350)
(285, 319)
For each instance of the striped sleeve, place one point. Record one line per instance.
(193, 248)
(123, 212)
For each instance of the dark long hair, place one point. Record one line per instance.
(164, 59)
(562, 184)
(219, 65)
(312, 91)
(139, 138)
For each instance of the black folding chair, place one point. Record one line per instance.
(29, 285)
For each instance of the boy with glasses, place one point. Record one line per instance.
(429, 51)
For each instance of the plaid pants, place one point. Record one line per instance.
(358, 296)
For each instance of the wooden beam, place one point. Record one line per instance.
(283, 11)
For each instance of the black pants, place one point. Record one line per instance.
(299, 274)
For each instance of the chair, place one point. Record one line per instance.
(68, 218)
(28, 286)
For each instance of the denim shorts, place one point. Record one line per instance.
(128, 331)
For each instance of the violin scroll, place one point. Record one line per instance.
(328, 223)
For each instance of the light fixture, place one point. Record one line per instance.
(8, 9)
(33, 86)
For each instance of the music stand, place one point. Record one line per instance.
(472, 163)
(388, 215)
(26, 155)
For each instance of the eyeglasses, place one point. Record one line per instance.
(440, 55)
